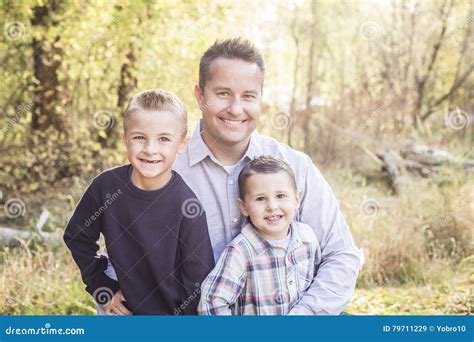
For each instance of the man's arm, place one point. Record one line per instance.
(197, 259)
(81, 236)
(336, 276)
(223, 286)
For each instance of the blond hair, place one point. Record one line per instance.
(159, 100)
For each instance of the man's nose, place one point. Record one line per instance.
(235, 107)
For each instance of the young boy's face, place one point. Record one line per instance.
(153, 139)
(271, 201)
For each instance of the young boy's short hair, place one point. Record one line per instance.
(235, 48)
(264, 164)
(159, 100)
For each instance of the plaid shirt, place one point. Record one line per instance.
(252, 278)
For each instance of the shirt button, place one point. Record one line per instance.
(278, 298)
(231, 182)
(235, 219)
(290, 282)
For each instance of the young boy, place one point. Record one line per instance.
(268, 267)
(154, 227)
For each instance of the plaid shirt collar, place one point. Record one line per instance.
(260, 244)
(198, 150)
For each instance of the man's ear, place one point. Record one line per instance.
(298, 199)
(122, 135)
(183, 144)
(243, 208)
(199, 94)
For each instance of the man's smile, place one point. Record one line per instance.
(232, 122)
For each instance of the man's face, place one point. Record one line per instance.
(230, 102)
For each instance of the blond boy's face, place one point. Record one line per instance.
(271, 202)
(153, 139)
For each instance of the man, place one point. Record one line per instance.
(229, 93)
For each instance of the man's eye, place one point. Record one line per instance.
(281, 196)
(260, 198)
(138, 137)
(163, 139)
(249, 97)
(223, 93)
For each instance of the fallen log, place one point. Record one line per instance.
(424, 160)
(13, 237)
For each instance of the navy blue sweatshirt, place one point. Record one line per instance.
(157, 242)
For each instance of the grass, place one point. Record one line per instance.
(454, 295)
(46, 282)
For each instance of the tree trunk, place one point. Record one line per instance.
(47, 60)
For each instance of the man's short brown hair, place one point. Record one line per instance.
(156, 99)
(235, 48)
(264, 164)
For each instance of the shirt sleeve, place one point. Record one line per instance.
(224, 284)
(334, 282)
(197, 259)
(81, 237)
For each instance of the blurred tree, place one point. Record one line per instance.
(47, 56)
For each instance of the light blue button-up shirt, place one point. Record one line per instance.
(217, 190)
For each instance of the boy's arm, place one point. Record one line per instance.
(224, 284)
(336, 276)
(81, 236)
(197, 260)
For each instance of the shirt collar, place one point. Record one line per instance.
(260, 245)
(198, 150)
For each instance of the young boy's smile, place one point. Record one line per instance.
(153, 139)
(271, 202)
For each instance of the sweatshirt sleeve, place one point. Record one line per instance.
(81, 237)
(197, 258)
